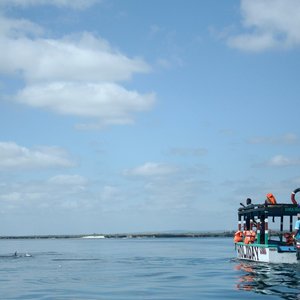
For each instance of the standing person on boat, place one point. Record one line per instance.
(297, 228)
(270, 199)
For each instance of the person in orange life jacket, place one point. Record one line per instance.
(250, 236)
(238, 236)
(270, 199)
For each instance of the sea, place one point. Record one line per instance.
(133, 268)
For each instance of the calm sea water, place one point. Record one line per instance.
(129, 269)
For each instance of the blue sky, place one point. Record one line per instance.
(133, 116)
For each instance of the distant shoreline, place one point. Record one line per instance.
(125, 235)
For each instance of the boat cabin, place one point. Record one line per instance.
(257, 216)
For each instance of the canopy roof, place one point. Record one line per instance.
(276, 210)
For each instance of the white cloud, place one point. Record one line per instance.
(11, 196)
(270, 24)
(60, 191)
(13, 156)
(109, 102)
(75, 75)
(109, 195)
(282, 161)
(68, 180)
(68, 184)
(188, 151)
(78, 58)
(253, 43)
(76, 4)
(151, 169)
(13, 29)
(289, 138)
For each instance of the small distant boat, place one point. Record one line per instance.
(15, 255)
(94, 237)
(253, 241)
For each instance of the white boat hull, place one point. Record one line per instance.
(94, 237)
(269, 254)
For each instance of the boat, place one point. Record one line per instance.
(254, 241)
(95, 236)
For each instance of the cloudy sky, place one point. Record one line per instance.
(133, 116)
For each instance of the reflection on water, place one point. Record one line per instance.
(270, 279)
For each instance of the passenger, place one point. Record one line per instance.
(297, 228)
(253, 236)
(238, 236)
(289, 240)
(270, 199)
(250, 236)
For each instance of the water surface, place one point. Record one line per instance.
(129, 269)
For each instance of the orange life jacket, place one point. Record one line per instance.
(271, 199)
(238, 236)
(253, 236)
(250, 236)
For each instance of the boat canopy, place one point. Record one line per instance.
(276, 210)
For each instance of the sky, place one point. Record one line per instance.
(136, 116)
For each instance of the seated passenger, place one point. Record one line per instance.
(289, 240)
(250, 236)
(238, 236)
